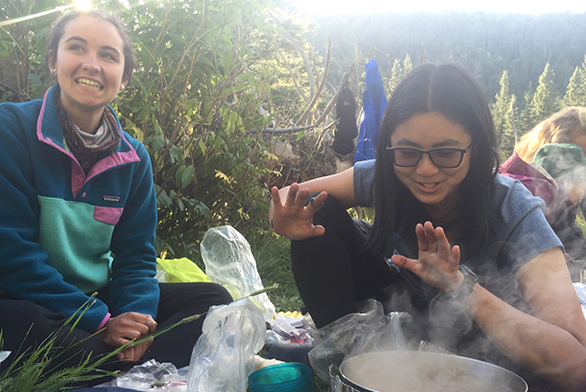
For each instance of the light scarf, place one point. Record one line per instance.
(84, 151)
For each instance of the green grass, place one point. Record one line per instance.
(273, 261)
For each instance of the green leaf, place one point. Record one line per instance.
(34, 79)
(176, 153)
(300, 135)
(203, 209)
(158, 142)
(162, 197)
(202, 147)
(184, 175)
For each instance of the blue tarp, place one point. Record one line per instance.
(374, 102)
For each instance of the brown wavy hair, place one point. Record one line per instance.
(560, 127)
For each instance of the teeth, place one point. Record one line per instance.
(89, 83)
(429, 184)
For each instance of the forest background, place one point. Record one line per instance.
(231, 97)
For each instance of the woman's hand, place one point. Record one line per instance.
(437, 264)
(128, 327)
(294, 219)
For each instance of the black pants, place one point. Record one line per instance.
(26, 325)
(334, 271)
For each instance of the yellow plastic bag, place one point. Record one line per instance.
(179, 270)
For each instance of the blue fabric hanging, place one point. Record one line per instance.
(374, 102)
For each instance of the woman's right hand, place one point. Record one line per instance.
(128, 327)
(294, 219)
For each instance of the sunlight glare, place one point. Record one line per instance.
(351, 7)
(83, 5)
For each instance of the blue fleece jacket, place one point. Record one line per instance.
(65, 234)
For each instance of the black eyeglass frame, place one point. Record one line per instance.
(462, 151)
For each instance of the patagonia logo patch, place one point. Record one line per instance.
(114, 198)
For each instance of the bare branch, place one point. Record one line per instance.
(306, 61)
(290, 72)
(333, 100)
(321, 86)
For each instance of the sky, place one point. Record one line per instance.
(506, 6)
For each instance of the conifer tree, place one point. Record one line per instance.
(546, 100)
(526, 121)
(502, 113)
(576, 90)
(396, 76)
(573, 94)
(407, 65)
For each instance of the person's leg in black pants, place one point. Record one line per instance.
(334, 271)
(180, 300)
(26, 326)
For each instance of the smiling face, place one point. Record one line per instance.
(435, 187)
(89, 65)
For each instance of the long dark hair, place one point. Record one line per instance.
(59, 29)
(452, 91)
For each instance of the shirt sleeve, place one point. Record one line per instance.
(26, 273)
(520, 225)
(133, 287)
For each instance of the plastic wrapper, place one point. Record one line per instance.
(288, 327)
(223, 356)
(229, 261)
(4, 355)
(356, 333)
(581, 291)
(149, 376)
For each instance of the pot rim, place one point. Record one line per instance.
(522, 387)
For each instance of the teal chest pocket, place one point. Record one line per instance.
(77, 237)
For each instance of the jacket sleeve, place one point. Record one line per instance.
(133, 287)
(25, 272)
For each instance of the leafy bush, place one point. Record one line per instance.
(194, 105)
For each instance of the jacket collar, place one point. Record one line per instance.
(49, 131)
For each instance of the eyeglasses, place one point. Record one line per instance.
(444, 158)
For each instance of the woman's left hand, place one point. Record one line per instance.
(126, 328)
(437, 264)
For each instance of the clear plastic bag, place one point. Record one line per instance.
(223, 356)
(356, 333)
(229, 261)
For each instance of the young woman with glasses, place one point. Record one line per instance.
(465, 251)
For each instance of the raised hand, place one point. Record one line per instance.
(294, 219)
(437, 264)
(129, 327)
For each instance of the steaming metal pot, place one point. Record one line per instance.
(417, 371)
